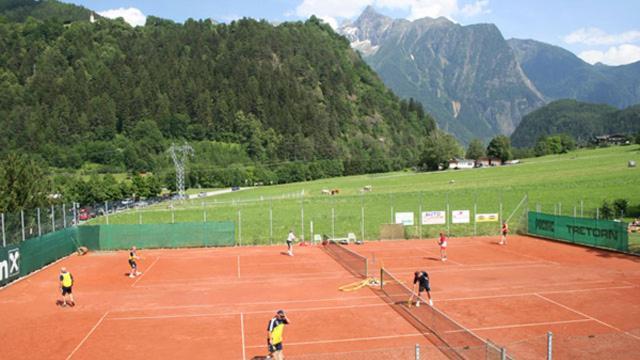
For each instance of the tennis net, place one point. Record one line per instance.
(355, 263)
(455, 341)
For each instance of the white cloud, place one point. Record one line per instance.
(477, 8)
(615, 55)
(595, 36)
(133, 16)
(332, 10)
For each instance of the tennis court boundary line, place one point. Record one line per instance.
(88, 335)
(588, 317)
(236, 313)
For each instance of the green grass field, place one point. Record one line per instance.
(579, 181)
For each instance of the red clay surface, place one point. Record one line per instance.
(216, 303)
(202, 304)
(514, 294)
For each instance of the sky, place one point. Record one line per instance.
(606, 31)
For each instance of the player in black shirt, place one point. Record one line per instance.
(421, 283)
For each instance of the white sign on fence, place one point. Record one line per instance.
(404, 218)
(434, 217)
(486, 218)
(460, 217)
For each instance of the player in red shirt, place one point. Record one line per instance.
(443, 246)
(504, 231)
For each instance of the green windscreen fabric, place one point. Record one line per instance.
(204, 234)
(591, 232)
(37, 252)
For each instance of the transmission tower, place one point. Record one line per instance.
(180, 154)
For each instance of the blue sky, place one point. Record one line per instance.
(606, 31)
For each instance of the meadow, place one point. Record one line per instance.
(572, 183)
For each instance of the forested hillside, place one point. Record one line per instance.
(582, 121)
(259, 103)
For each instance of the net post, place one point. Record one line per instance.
(381, 278)
(549, 345)
(22, 221)
(503, 354)
(417, 351)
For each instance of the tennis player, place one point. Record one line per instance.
(66, 286)
(504, 231)
(274, 336)
(133, 256)
(443, 246)
(290, 239)
(421, 282)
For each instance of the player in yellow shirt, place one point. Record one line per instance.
(274, 337)
(133, 256)
(66, 286)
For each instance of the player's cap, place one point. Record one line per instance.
(63, 269)
(280, 312)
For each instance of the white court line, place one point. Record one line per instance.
(533, 293)
(588, 317)
(228, 313)
(348, 299)
(500, 327)
(88, 334)
(145, 272)
(234, 281)
(370, 338)
(467, 268)
(244, 354)
(238, 266)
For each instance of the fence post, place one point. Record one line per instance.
(22, 221)
(333, 222)
(475, 223)
(139, 217)
(448, 216)
(4, 236)
(362, 218)
(106, 211)
(417, 351)
(39, 227)
(204, 215)
(597, 213)
(64, 216)
(560, 209)
(240, 226)
(581, 208)
(75, 216)
(173, 216)
(53, 219)
(549, 345)
(302, 219)
(270, 222)
(420, 220)
(391, 220)
(575, 212)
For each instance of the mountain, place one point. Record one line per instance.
(20, 10)
(281, 103)
(581, 120)
(466, 76)
(559, 74)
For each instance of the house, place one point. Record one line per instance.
(461, 164)
(487, 161)
(616, 139)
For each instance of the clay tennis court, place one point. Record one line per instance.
(514, 294)
(215, 303)
(210, 303)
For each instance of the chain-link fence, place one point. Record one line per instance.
(26, 224)
(268, 220)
